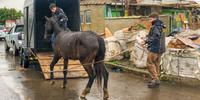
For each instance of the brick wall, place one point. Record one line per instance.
(97, 18)
(99, 22)
(115, 24)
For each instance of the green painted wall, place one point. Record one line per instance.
(175, 22)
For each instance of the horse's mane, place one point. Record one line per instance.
(55, 20)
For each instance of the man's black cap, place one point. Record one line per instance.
(52, 5)
(154, 15)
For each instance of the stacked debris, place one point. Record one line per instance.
(182, 57)
(120, 42)
(112, 49)
(139, 53)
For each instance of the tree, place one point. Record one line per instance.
(9, 14)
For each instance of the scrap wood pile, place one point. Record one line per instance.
(118, 42)
(182, 57)
(126, 39)
(185, 40)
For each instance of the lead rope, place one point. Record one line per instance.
(85, 63)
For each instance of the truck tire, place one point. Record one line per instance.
(15, 51)
(6, 47)
(25, 62)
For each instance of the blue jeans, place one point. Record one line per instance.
(64, 24)
(53, 39)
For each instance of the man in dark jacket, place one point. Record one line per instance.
(62, 19)
(59, 14)
(156, 47)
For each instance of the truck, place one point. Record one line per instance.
(2, 32)
(36, 48)
(14, 39)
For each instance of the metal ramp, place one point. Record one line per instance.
(75, 69)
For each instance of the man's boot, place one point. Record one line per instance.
(154, 84)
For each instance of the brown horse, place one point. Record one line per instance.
(87, 47)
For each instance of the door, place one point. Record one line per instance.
(26, 24)
(8, 37)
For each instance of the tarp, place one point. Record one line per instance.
(182, 57)
(179, 62)
(139, 53)
(197, 1)
(112, 48)
(122, 40)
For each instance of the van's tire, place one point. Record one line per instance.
(7, 48)
(25, 62)
(15, 51)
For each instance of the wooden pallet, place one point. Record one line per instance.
(75, 69)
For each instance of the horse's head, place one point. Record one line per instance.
(52, 25)
(48, 27)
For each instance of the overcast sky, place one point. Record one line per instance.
(18, 4)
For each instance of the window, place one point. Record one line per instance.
(1, 28)
(114, 11)
(88, 17)
(19, 28)
(82, 17)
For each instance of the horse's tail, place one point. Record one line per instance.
(99, 60)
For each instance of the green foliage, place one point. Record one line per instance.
(9, 14)
(114, 62)
(140, 27)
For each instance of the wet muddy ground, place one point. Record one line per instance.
(19, 84)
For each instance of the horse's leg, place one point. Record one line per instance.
(106, 77)
(92, 75)
(54, 61)
(65, 72)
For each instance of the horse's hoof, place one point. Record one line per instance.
(106, 95)
(105, 98)
(52, 82)
(83, 98)
(63, 87)
(85, 92)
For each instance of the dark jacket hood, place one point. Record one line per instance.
(158, 22)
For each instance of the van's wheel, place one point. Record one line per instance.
(15, 51)
(24, 59)
(25, 62)
(6, 47)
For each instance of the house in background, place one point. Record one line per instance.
(183, 14)
(94, 12)
(10, 23)
(96, 15)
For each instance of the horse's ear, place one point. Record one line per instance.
(46, 18)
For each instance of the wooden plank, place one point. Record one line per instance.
(75, 69)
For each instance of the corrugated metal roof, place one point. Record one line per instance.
(95, 2)
(164, 3)
(100, 2)
(167, 3)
